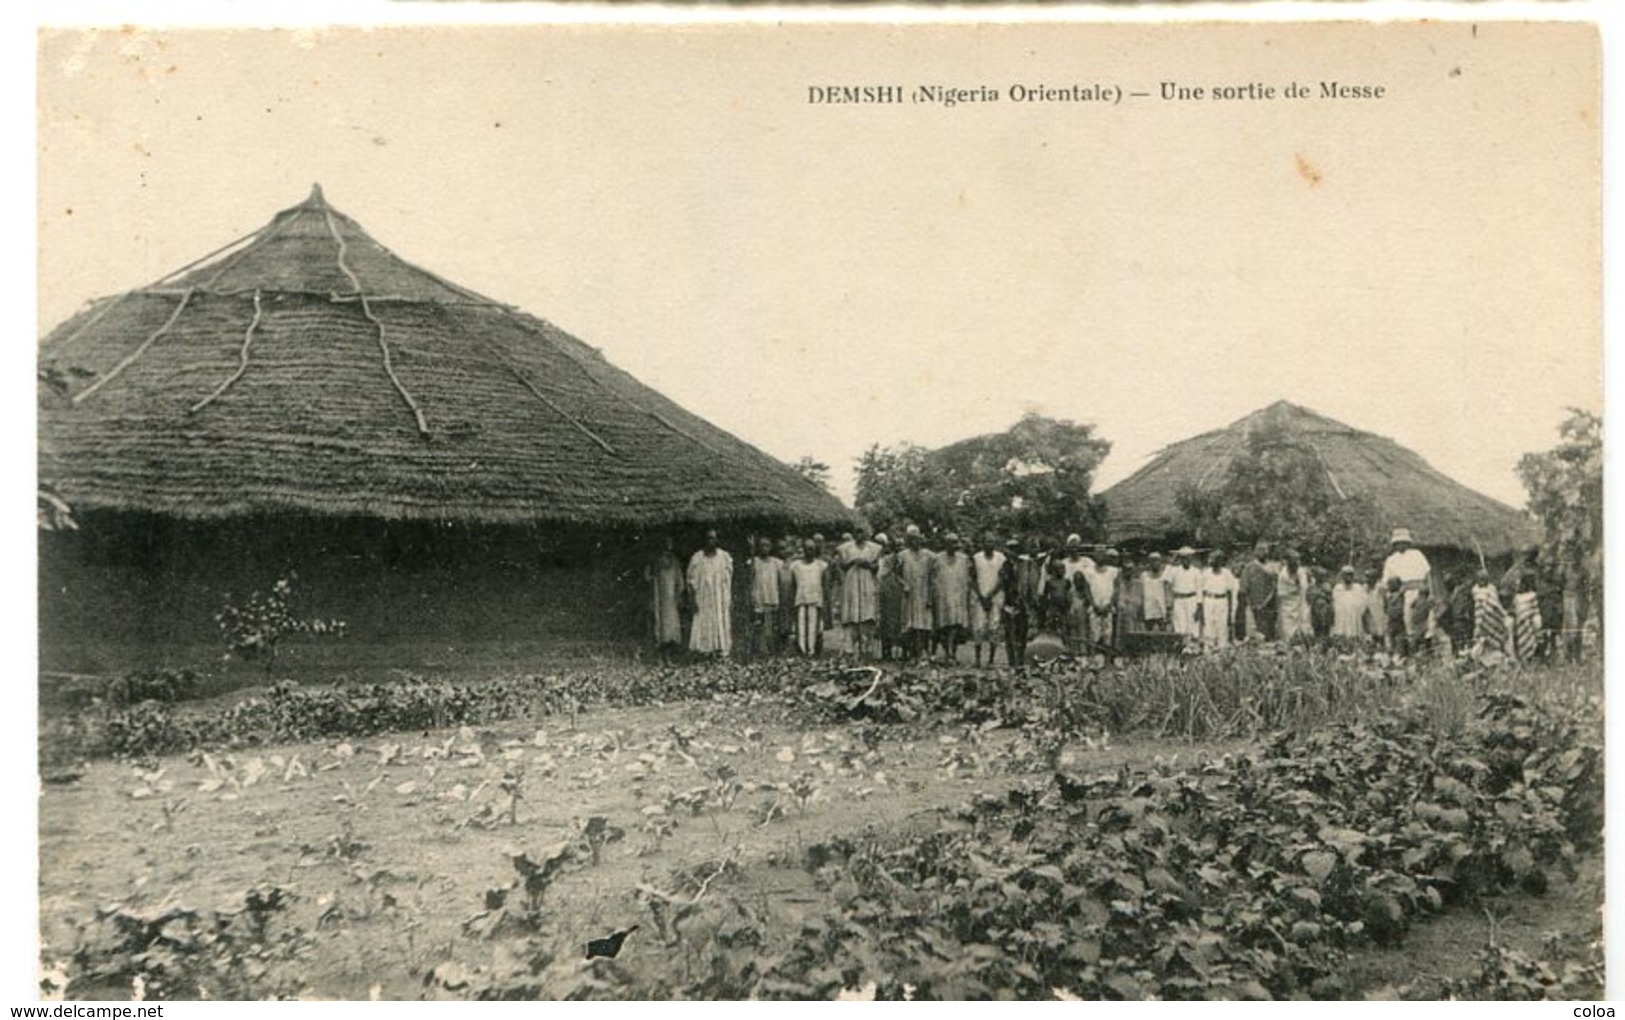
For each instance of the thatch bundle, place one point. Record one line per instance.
(1440, 512)
(308, 370)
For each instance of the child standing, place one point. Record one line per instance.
(764, 598)
(1395, 608)
(807, 578)
(1348, 606)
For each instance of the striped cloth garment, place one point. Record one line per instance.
(1526, 625)
(1489, 619)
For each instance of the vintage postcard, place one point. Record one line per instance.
(939, 510)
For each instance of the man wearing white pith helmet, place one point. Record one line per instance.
(1407, 563)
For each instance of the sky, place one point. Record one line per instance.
(818, 278)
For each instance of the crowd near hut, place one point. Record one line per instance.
(1454, 524)
(303, 413)
(444, 473)
(1027, 599)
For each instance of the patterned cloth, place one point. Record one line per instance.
(1526, 625)
(1489, 619)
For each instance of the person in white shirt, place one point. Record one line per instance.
(987, 600)
(1184, 588)
(1349, 604)
(1292, 598)
(1407, 563)
(1218, 601)
(1073, 565)
(807, 582)
(1100, 586)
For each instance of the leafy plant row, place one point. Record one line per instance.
(1244, 694)
(289, 711)
(1248, 877)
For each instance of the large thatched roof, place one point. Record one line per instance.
(1439, 511)
(308, 369)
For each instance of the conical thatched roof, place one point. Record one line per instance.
(1439, 511)
(308, 369)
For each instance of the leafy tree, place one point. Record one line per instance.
(815, 471)
(1277, 490)
(1035, 477)
(1565, 492)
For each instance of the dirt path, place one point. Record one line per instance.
(1447, 947)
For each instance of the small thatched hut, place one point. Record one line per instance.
(1442, 513)
(439, 468)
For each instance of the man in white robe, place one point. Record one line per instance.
(710, 583)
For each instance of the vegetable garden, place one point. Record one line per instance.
(1258, 824)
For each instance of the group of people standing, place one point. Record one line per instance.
(922, 598)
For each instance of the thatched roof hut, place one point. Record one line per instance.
(438, 467)
(308, 369)
(1439, 511)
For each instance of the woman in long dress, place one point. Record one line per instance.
(710, 582)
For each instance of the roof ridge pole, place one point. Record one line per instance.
(474, 295)
(1328, 469)
(242, 365)
(539, 395)
(129, 359)
(366, 310)
(581, 365)
(262, 235)
(1201, 483)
